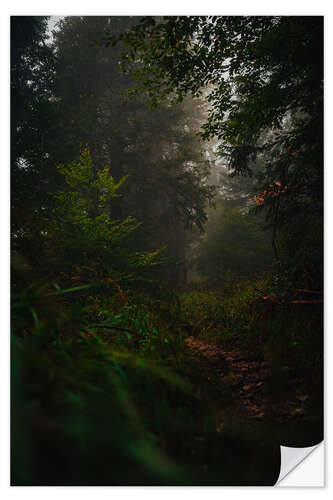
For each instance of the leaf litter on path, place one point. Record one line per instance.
(248, 384)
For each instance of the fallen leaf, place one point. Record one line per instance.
(303, 398)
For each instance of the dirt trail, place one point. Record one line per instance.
(250, 383)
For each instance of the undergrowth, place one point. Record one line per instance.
(105, 389)
(255, 316)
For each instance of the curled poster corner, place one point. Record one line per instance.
(290, 458)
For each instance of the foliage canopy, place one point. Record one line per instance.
(263, 78)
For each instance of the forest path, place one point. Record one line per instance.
(249, 389)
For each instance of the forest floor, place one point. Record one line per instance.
(247, 387)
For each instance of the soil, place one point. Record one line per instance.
(251, 390)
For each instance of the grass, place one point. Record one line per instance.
(119, 404)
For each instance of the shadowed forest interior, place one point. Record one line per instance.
(166, 248)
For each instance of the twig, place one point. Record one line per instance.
(306, 302)
(111, 328)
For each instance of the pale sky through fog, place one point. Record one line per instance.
(51, 24)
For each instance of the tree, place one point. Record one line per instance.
(83, 242)
(234, 243)
(157, 150)
(28, 54)
(32, 130)
(263, 78)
